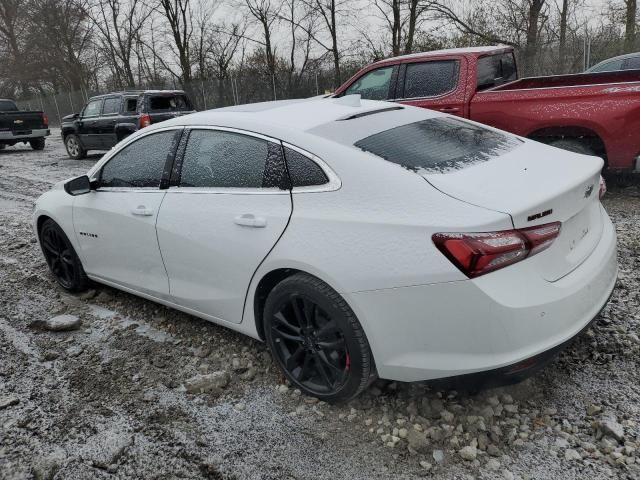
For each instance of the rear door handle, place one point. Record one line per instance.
(449, 109)
(250, 220)
(142, 211)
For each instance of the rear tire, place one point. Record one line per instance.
(37, 143)
(316, 339)
(573, 145)
(74, 148)
(62, 258)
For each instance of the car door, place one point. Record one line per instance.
(87, 124)
(115, 224)
(106, 123)
(228, 205)
(432, 84)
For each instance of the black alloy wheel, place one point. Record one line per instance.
(316, 339)
(61, 257)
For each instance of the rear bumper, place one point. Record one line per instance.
(27, 135)
(442, 330)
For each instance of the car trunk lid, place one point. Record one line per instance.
(536, 184)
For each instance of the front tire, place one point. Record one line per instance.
(37, 143)
(74, 148)
(316, 339)
(62, 258)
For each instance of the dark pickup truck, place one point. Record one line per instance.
(107, 119)
(21, 126)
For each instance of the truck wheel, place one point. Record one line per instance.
(74, 148)
(37, 143)
(572, 145)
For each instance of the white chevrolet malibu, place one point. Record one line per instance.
(357, 239)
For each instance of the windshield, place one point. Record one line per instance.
(438, 145)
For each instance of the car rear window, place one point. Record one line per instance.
(438, 145)
(8, 106)
(169, 103)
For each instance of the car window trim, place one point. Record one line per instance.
(95, 174)
(402, 78)
(176, 171)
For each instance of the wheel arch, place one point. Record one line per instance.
(578, 132)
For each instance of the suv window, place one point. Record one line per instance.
(438, 145)
(141, 163)
(230, 160)
(132, 105)
(169, 103)
(93, 108)
(8, 106)
(303, 171)
(373, 85)
(496, 70)
(430, 79)
(111, 105)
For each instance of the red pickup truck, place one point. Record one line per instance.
(592, 113)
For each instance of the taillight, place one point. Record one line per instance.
(478, 253)
(603, 187)
(45, 120)
(145, 120)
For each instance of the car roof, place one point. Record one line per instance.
(449, 51)
(137, 93)
(619, 57)
(273, 118)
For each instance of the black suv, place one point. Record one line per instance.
(107, 119)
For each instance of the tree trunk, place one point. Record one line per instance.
(413, 18)
(396, 30)
(630, 30)
(562, 48)
(535, 6)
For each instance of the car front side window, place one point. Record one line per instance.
(92, 109)
(223, 159)
(141, 164)
(373, 85)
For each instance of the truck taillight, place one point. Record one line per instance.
(145, 120)
(45, 120)
(478, 253)
(603, 187)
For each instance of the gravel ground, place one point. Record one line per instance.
(111, 398)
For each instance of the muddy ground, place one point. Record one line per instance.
(108, 400)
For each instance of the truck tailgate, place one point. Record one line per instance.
(21, 121)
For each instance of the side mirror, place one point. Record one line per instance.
(78, 186)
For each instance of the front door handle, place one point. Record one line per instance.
(250, 220)
(142, 211)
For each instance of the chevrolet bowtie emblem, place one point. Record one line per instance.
(19, 122)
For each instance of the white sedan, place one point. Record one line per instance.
(357, 239)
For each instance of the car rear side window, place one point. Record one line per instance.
(495, 70)
(632, 63)
(438, 145)
(430, 79)
(132, 105)
(169, 103)
(303, 171)
(220, 159)
(140, 164)
(111, 105)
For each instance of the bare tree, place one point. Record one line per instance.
(119, 24)
(401, 18)
(178, 14)
(265, 13)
